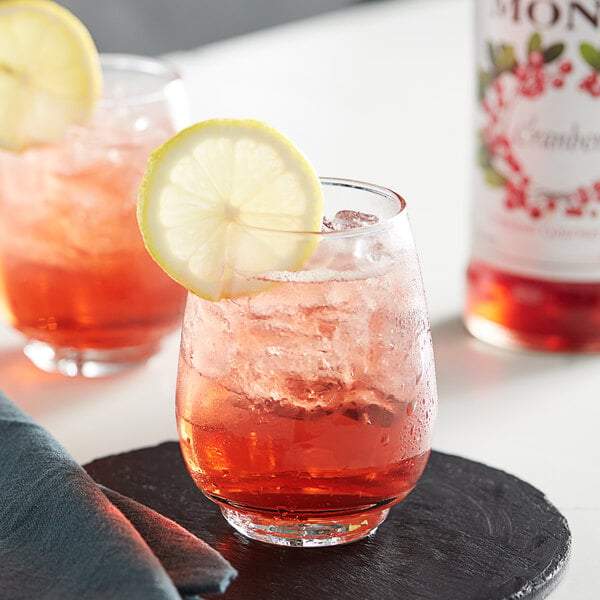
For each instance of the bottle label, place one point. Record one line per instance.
(537, 184)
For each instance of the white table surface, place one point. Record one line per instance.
(383, 93)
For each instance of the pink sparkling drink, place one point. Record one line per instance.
(75, 277)
(305, 411)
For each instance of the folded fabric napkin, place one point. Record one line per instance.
(63, 537)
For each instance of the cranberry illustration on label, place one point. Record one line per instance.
(510, 80)
(591, 83)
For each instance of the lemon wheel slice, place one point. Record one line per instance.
(50, 75)
(219, 204)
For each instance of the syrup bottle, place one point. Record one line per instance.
(534, 276)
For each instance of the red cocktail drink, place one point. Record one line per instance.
(75, 277)
(305, 410)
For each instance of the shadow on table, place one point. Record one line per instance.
(463, 361)
(36, 391)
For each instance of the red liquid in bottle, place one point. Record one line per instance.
(509, 310)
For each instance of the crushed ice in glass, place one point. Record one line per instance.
(348, 219)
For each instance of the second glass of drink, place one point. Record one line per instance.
(75, 277)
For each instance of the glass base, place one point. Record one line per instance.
(503, 337)
(309, 533)
(87, 362)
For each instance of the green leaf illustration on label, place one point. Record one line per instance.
(591, 55)
(535, 43)
(553, 52)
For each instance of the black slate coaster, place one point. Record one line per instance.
(467, 532)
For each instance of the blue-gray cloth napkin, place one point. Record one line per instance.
(62, 537)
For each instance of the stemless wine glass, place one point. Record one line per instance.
(305, 411)
(75, 277)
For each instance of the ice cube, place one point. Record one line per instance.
(349, 219)
(327, 225)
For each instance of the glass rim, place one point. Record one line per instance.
(161, 70)
(382, 224)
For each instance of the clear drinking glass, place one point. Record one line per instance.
(305, 411)
(75, 277)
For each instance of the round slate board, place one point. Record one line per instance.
(467, 531)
